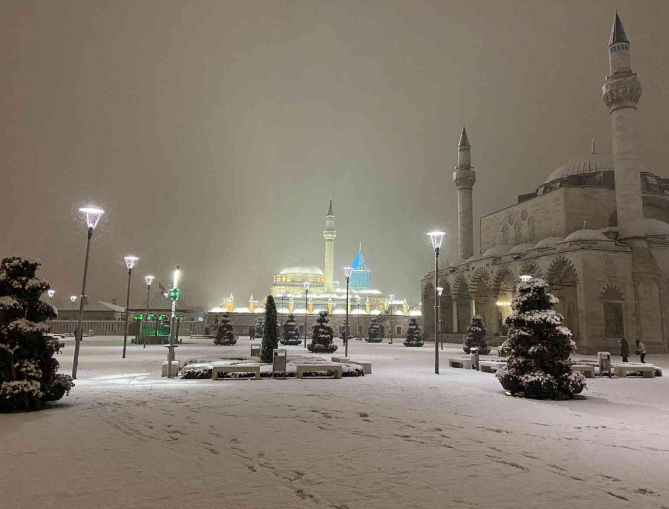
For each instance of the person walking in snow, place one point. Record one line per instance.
(624, 349)
(641, 350)
(252, 332)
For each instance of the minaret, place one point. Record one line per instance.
(329, 235)
(621, 92)
(464, 178)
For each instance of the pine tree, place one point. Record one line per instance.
(414, 337)
(27, 368)
(291, 332)
(374, 331)
(270, 339)
(260, 327)
(322, 335)
(540, 346)
(225, 335)
(475, 337)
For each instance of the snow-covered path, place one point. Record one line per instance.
(400, 438)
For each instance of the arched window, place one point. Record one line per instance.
(613, 300)
(517, 229)
(531, 227)
(505, 234)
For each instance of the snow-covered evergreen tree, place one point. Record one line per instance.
(260, 327)
(291, 332)
(475, 337)
(414, 337)
(540, 346)
(374, 331)
(225, 335)
(28, 371)
(322, 335)
(270, 339)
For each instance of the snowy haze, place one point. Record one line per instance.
(214, 132)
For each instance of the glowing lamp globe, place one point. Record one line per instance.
(348, 271)
(436, 237)
(73, 298)
(93, 215)
(306, 285)
(525, 277)
(149, 280)
(51, 293)
(440, 289)
(130, 261)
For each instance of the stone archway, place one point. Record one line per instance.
(428, 308)
(563, 281)
(446, 308)
(462, 304)
(504, 289)
(480, 292)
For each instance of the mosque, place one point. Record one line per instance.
(308, 290)
(597, 230)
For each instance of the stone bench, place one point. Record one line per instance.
(255, 350)
(490, 366)
(176, 366)
(302, 368)
(236, 368)
(587, 370)
(459, 362)
(366, 366)
(647, 370)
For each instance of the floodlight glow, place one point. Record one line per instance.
(149, 280)
(73, 298)
(436, 237)
(130, 261)
(525, 277)
(51, 293)
(502, 303)
(175, 277)
(440, 289)
(93, 215)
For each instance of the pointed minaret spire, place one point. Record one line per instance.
(617, 32)
(330, 213)
(329, 235)
(464, 140)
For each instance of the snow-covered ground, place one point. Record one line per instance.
(400, 438)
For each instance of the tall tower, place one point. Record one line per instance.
(464, 178)
(329, 235)
(621, 92)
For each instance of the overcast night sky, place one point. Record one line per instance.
(213, 132)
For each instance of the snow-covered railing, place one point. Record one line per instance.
(115, 327)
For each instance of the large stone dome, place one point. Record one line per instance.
(302, 269)
(592, 164)
(496, 251)
(586, 235)
(549, 242)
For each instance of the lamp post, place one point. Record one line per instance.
(174, 295)
(92, 218)
(347, 272)
(149, 280)
(306, 310)
(281, 294)
(438, 308)
(73, 298)
(392, 298)
(436, 237)
(51, 293)
(130, 263)
(357, 325)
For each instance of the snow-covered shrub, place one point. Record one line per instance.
(414, 337)
(291, 332)
(28, 371)
(260, 327)
(374, 331)
(225, 335)
(540, 346)
(504, 349)
(475, 337)
(270, 339)
(322, 335)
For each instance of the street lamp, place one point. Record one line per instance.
(130, 263)
(392, 298)
(347, 272)
(357, 325)
(281, 294)
(174, 295)
(93, 215)
(73, 298)
(51, 293)
(436, 237)
(149, 280)
(306, 310)
(438, 307)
